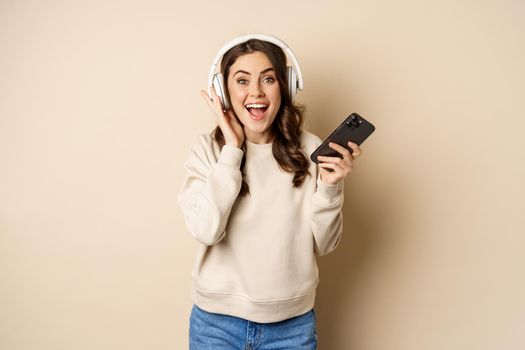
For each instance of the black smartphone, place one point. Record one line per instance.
(355, 128)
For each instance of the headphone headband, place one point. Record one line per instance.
(264, 37)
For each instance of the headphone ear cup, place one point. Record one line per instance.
(218, 84)
(292, 82)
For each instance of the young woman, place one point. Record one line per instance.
(260, 208)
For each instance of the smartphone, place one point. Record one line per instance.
(355, 128)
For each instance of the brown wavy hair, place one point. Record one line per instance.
(286, 127)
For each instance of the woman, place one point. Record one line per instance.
(260, 209)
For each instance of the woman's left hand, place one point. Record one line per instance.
(340, 167)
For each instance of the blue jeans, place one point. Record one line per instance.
(209, 331)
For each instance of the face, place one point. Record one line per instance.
(255, 95)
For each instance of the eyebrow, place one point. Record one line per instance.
(262, 72)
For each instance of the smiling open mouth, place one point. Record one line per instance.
(257, 110)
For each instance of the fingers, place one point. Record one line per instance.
(343, 166)
(344, 152)
(337, 163)
(331, 160)
(208, 100)
(227, 121)
(330, 166)
(356, 150)
(337, 168)
(332, 173)
(217, 100)
(213, 101)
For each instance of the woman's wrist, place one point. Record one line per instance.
(233, 144)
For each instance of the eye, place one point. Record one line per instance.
(242, 81)
(269, 80)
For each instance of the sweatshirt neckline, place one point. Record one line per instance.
(258, 146)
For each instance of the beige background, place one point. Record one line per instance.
(99, 103)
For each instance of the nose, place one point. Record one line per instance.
(257, 90)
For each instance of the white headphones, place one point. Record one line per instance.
(295, 78)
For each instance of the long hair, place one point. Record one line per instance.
(286, 127)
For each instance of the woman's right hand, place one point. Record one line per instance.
(229, 124)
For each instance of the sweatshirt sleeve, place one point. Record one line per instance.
(327, 216)
(209, 190)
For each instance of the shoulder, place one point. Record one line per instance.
(309, 141)
(204, 147)
(204, 142)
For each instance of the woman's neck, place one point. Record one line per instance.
(259, 138)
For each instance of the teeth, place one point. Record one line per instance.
(256, 105)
